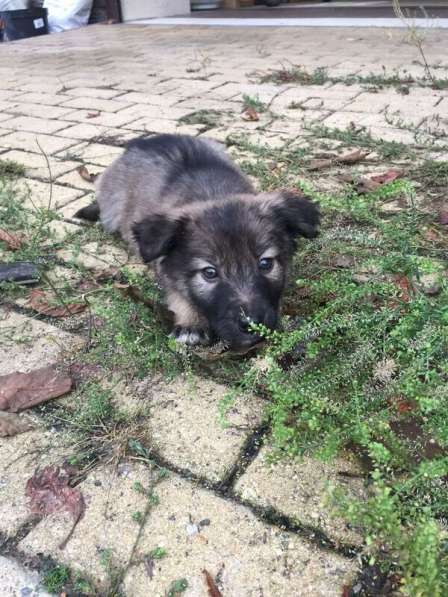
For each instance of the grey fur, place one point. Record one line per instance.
(183, 204)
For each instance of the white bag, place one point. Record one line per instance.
(67, 14)
(13, 4)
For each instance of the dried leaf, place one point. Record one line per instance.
(405, 286)
(353, 157)
(388, 176)
(38, 300)
(366, 185)
(320, 164)
(348, 158)
(250, 114)
(24, 390)
(13, 241)
(443, 217)
(213, 590)
(11, 424)
(85, 174)
(49, 492)
(93, 114)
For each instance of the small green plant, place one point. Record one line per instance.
(137, 517)
(177, 587)
(95, 408)
(138, 487)
(106, 558)
(209, 119)
(11, 169)
(56, 578)
(154, 499)
(158, 553)
(255, 103)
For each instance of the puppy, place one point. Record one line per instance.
(221, 251)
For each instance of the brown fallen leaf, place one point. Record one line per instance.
(93, 114)
(404, 285)
(213, 590)
(38, 300)
(386, 177)
(443, 217)
(85, 174)
(24, 390)
(13, 241)
(320, 164)
(348, 158)
(353, 157)
(366, 185)
(250, 114)
(49, 491)
(11, 424)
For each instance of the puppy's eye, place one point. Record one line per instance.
(209, 273)
(266, 264)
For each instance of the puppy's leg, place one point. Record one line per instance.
(189, 327)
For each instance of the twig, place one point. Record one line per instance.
(49, 172)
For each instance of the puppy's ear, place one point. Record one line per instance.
(156, 235)
(297, 214)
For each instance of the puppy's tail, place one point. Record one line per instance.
(90, 213)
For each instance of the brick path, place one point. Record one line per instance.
(76, 96)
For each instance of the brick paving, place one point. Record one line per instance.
(77, 97)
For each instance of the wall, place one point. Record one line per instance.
(146, 9)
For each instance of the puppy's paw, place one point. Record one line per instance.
(191, 336)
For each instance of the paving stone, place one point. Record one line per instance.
(36, 165)
(98, 92)
(18, 581)
(34, 125)
(95, 255)
(69, 210)
(107, 523)
(35, 110)
(92, 132)
(299, 489)
(112, 119)
(249, 557)
(19, 457)
(186, 429)
(392, 134)
(94, 104)
(73, 178)
(50, 144)
(136, 97)
(61, 230)
(26, 343)
(96, 153)
(342, 120)
(37, 194)
(43, 99)
(156, 125)
(5, 117)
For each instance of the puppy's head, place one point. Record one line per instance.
(229, 258)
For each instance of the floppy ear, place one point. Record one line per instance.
(297, 214)
(156, 235)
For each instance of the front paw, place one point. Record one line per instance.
(191, 336)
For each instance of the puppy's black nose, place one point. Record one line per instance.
(245, 322)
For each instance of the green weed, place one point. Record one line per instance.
(255, 103)
(209, 119)
(56, 578)
(177, 587)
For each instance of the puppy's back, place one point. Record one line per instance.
(164, 171)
